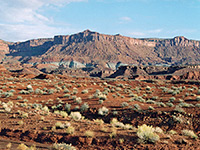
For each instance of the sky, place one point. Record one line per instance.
(21, 20)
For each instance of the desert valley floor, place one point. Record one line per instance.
(41, 112)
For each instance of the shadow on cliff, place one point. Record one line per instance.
(30, 50)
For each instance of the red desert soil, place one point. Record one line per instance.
(157, 103)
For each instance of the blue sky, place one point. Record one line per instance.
(21, 20)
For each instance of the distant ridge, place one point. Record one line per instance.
(88, 48)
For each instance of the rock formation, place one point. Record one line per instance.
(89, 48)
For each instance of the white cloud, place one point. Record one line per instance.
(23, 32)
(22, 19)
(125, 19)
(155, 31)
(144, 33)
(137, 33)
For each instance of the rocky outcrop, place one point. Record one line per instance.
(4, 49)
(130, 72)
(192, 75)
(157, 72)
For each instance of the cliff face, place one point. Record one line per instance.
(179, 50)
(86, 48)
(90, 46)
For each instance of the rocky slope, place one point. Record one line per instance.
(89, 48)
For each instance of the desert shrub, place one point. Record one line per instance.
(118, 94)
(198, 92)
(24, 115)
(84, 107)
(190, 90)
(58, 88)
(148, 88)
(113, 133)
(78, 100)
(151, 108)
(45, 108)
(161, 104)
(154, 98)
(170, 104)
(19, 98)
(37, 106)
(115, 112)
(68, 107)
(172, 99)
(140, 99)
(29, 87)
(175, 92)
(76, 108)
(84, 91)
(114, 96)
(187, 94)
(76, 116)
(172, 132)
(85, 85)
(179, 109)
(66, 96)
(146, 134)
(124, 104)
(24, 92)
(189, 133)
(51, 91)
(198, 98)
(7, 94)
(103, 111)
(150, 101)
(114, 122)
(45, 89)
(128, 127)
(132, 95)
(22, 147)
(118, 89)
(75, 89)
(99, 121)
(7, 106)
(100, 95)
(20, 122)
(89, 133)
(197, 105)
(70, 130)
(63, 114)
(101, 101)
(112, 90)
(59, 125)
(186, 105)
(38, 91)
(59, 106)
(63, 146)
(66, 91)
(137, 107)
(64, 87)
(74, 97)
(12, 91)
(158, 130)
(177, 119)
